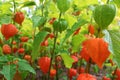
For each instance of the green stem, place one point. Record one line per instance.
(42, 9)
(56, 64)
(80, 64)
(44, 77)
(91, 19)
(60, 16)
(87, 70)
(34, 31)
(107, 1)
(14, 6)
(53, 52)
(99, 33)
(113, 78)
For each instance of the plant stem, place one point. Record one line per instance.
(53, 51)
(80, 64)
(87, 70)
(56, 64)
(114, 73)
(99, 33)
(42, 9)
(52, 54)
(107, 1)
(34, 31)
(60, 16)
(14, 6)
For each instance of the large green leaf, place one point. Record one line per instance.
(63, 5)
(74, 27)
(35, 20)
(117, 2)
(104, 15)
(38, 20)
(8, 71)
(76, 42)
(36, 44)
(115, 37)
(67, 60)
(25, 66)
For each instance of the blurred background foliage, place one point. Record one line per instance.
(33, 7)
(33, 12)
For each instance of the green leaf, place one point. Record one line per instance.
(115, 37)
(74, 27)
(5, 8)
(67, 60)
(24, 74)
(5, 19)
(26, 28)
(38, 21)
(25, 66)
(107, 38)
(77, 41)
(36, 43)
(70, 19)
(6, 58)
(63, 5)
(104, 15)
(42, 21)
(35, 20)
(3, 59)
(28, 3)
(96, 69)
(9, 71)
(64, 77)
(117, 2)
(48, 29)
